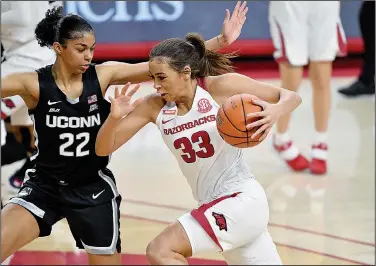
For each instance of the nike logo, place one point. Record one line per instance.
(164, 122)
(51, 103)
(96, 196)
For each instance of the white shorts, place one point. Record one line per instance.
(304, 31)
(236, 226)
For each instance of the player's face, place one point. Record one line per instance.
(168, 82)
(79, 52)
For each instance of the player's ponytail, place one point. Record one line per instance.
(210, 63)
(56, 27)
(191, 51)
(46, 30)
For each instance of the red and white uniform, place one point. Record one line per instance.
(233, 210)
(304, 31)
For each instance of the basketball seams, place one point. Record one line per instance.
(245, 117)
(224, 112)
(234, 136)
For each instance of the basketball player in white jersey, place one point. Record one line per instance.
(306, 32)
(22, 53)
(192, 83)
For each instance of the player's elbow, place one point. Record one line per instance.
(296, 97)
(101, 151)
(292, 97)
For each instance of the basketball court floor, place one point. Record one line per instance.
(317, 220)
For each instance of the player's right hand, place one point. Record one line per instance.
(121, 104)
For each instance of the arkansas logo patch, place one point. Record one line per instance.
(8, 103)
(220, 220)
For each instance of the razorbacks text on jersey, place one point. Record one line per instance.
(211, 166)
(66, 129)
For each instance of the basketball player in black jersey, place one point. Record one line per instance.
(67, 105)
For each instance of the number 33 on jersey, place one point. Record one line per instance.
(193, 138)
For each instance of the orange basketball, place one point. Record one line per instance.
(231, 121)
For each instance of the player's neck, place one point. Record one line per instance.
(62, 74)
(185, 101)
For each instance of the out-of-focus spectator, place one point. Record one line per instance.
(20, 52)
(306, 32)
(365, 84)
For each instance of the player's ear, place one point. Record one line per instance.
(58, 48)
(187, 72)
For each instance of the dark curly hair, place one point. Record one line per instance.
(56, 27)
(191, 51)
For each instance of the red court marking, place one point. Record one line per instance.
(80, 258)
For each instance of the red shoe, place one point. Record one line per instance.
(299, 163)
(317, 165)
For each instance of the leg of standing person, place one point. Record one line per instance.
(365, 84)
(287, 21)
(327, 40)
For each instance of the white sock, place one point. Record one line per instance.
(320, 137)
(282, 138)
(292, 152)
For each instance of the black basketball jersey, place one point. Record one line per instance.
(66, 129)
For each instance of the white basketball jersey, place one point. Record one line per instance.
(18, 22)
(211, 166)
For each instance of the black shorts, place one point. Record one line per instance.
(92, 210)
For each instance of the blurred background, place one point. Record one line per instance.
(324, 219)
(127, 30)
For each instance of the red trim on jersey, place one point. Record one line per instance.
(341, 42)
(202, 83)
(199, 215)
(3, 115)
(283, 58)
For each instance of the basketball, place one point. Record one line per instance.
(231, 121)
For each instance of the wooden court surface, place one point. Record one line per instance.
(317, 220)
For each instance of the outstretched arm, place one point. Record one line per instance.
(231, 29)
(25, 85)
(124, 121)
(120, 73)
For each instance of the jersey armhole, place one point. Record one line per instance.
(92, 77)
(41, 76)
(159, 118)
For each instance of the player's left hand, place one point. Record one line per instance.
(267, 117)
(232, 26)
(121, 104)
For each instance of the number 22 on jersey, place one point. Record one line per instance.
(83, 139)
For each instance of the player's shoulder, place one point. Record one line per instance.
(220, 81)
(220, 87)
(151, 106)
(155, 101)
(46, 70)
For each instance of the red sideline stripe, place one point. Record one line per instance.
(136, 50)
